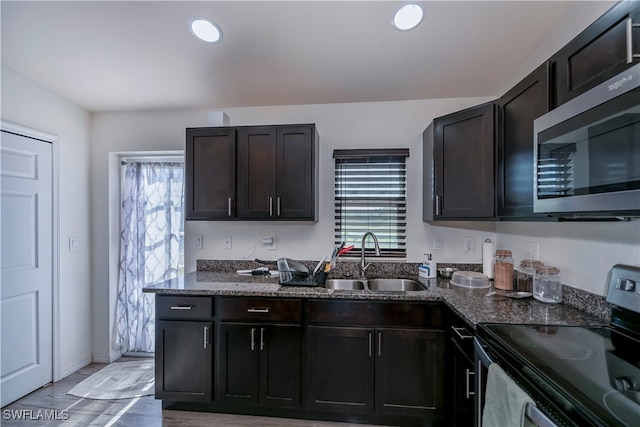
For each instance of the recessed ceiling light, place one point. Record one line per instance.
(206, 30)
(408, 17)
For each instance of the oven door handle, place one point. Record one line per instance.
(538, 417)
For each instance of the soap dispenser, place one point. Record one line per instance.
(428, 268)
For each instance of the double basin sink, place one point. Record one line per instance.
(375, 285)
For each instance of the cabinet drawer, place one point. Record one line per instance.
(376, 313)
(183, 307)
(261, 309)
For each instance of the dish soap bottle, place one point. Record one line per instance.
(428, 268)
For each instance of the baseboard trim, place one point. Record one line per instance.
(73, 368)
(107, 358)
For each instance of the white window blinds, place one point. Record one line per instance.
(371, 195)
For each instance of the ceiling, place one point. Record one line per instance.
(140, 55)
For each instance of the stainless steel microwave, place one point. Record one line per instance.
(587, 152)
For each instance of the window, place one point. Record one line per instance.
(371, 195)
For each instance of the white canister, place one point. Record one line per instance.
(488, 250)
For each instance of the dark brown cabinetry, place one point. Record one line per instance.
(184, 349)
(459, 165)
(276, 172)
(460, 373)
(600, 52)
(517, 109)
(210, 173)
(260, 352)
(252, 173)
(387, 369)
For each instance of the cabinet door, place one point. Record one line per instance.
(256, 172)
(295, 172)
(280, 365)
(184, 357)
(238, 380)
(410, 372)
(464, 164)
(341, 369)
(463, 388)
(517, 110)
(599, 52)
(210, 178)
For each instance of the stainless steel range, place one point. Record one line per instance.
(577, 375)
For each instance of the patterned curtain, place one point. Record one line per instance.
(150, 245)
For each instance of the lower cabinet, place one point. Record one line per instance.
(376, 359)
(260, 342)
(184, 349)
(388, 371)
(260, 364)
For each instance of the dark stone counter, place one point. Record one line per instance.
(473, 305)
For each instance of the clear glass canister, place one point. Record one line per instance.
(525, 274)
(547, 286)
(503, 270)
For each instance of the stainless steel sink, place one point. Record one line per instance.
(344, 284)
(395, 285)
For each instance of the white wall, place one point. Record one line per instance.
(27, 104)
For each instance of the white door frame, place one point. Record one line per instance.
(55, 226)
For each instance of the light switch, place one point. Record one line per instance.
(74, 244)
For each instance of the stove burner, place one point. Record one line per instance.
(545, 342)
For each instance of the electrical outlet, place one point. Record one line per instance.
(438, 242)
(269, 242)
(199, 242)
(226, 242)
(534, 250)
(469, 244)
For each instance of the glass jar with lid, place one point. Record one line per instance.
(525, 274)
(547, 286)
(503, 270)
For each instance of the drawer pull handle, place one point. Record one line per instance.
(379, 343)
(206, 336)
(181, 307)
(370, 342)
(630, 54)
(462, 337)
(261, 339)
(257, 310)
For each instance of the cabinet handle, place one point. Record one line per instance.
(379, 343)
(261, 339)
(229, 206)
(270, 206)
(469, 393)
(278, 205)
(630, 54)
(462, 337)
(438, 205)
(181, 307)
(253, 338)
(206, 336)
(258, 310)
(370, 344)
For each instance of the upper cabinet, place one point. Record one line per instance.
(517, 109)
(255, 173)
(210, 173)
(606, 48)
(459, 165)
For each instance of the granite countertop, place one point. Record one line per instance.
(473, 305)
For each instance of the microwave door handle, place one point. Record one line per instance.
(630, 54)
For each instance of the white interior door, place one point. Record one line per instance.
(26, 261)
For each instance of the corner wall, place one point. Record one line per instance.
(27, 104)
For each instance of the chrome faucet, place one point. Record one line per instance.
(363, 264)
